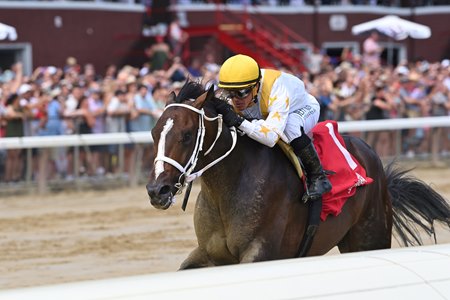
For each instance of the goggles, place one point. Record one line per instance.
(240, 93)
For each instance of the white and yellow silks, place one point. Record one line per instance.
(279, 94)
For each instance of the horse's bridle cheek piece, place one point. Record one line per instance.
(186, 171)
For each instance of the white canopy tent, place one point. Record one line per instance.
(395, 28)
(7, 32)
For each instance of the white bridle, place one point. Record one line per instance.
(187, 170)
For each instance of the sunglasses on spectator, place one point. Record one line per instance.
(241, 94)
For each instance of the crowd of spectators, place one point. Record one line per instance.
(76, 99)
(355, 89)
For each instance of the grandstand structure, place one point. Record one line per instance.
(106, 33)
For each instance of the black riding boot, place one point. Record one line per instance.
(318, 183)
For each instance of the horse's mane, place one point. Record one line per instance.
(190, 90)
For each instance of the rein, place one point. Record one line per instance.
(187, 170)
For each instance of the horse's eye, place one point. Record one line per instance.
(187, 138)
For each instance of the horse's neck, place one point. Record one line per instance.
(242, 163)
(247, 159)
(230, 163)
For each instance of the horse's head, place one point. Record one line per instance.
(178, 139)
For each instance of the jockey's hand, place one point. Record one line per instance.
(230, 117)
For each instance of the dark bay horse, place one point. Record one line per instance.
(249, 207)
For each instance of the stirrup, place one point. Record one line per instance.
(307, 197)
(316, 196)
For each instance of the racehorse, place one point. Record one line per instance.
(249, 206)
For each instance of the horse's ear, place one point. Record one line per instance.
(171, 98)
(205, 96)
(198, 103)
(210, 94)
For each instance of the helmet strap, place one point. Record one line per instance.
(255, 97)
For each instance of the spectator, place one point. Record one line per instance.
(51, 121)
(144, 119)
(160, 96)
(314, 62)
(177, 71)
(159, 54)
(372, 51)
(70, 107)
(84, 121)
(324, 94)
(15, 116)
(347, 96)
(440, 106)
(71, 65)
(210, 72)
(51, 124)
(51, 77)
(177, 37)
(89, 77)
(412, 94)
(2, 117)
(32, 118)
(381, 104)
(118, 111)
(195, 68)
(30, 102)
(144, 107)
(17, 77)
(97, 109)
(440, 98)
(111, 72)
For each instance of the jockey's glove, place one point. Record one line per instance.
(229, 116)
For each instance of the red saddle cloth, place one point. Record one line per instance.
(334, 156)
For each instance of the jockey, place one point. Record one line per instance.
(279, 107)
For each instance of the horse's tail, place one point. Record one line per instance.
(415, 205)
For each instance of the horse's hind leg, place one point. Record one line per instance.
(196, 259)
(373, 230)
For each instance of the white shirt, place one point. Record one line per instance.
(287, 95)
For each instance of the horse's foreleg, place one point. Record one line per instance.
(196, 259)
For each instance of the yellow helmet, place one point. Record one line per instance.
(239, 71)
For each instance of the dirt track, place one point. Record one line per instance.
(80, 236)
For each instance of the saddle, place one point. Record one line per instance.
(347, 172)
(289, 152)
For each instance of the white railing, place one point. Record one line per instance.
(145, 137)
(406, 273)
(394, 124)
(75, 140)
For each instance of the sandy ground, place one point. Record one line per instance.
(92, 235)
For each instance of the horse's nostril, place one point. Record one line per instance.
(155, 191)
(164, 190)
